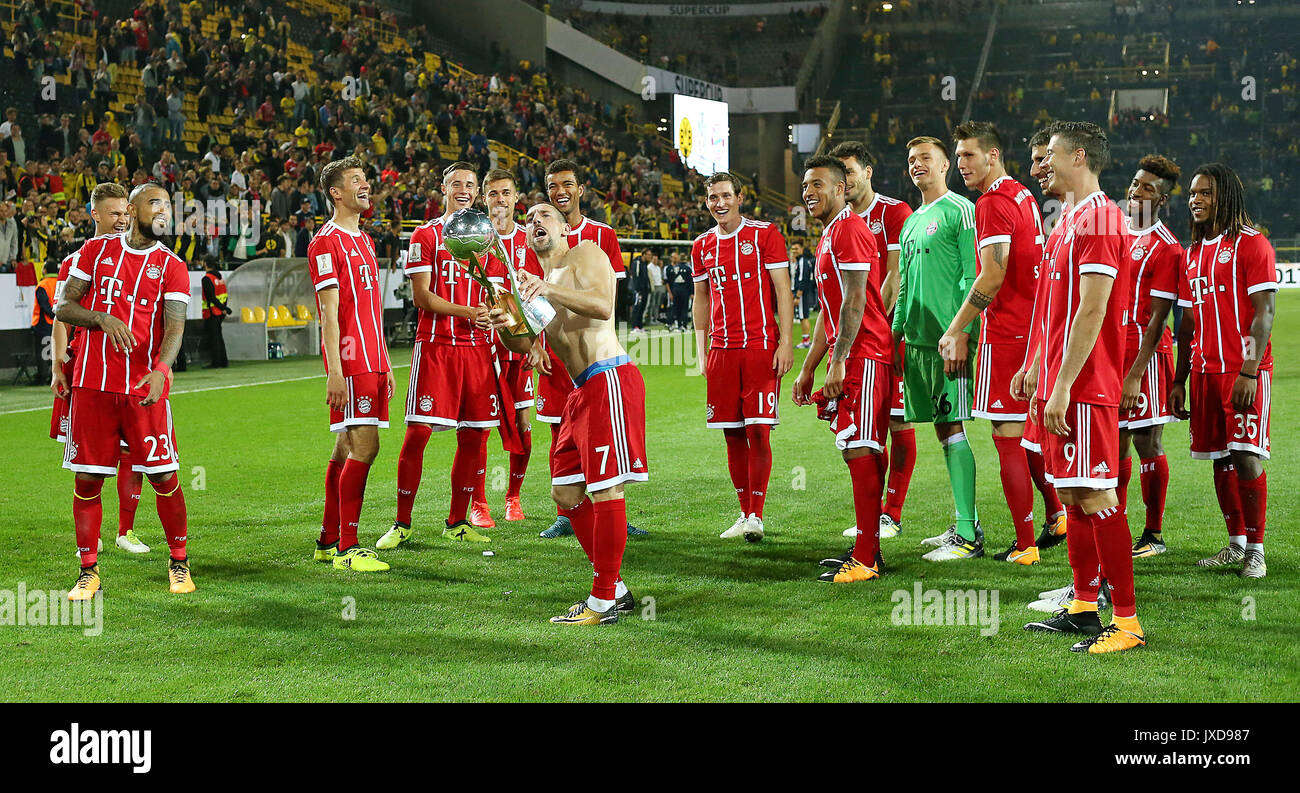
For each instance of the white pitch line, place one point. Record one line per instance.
(209, 388)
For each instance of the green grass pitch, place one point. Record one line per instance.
(730, 620)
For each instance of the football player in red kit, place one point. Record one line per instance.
(453, 382)
(1081, 356)
(359, 375)
(859, 385)
(130, 293)
(742, 276)
(1009, 235)
(1156, 260)
(1228, 292)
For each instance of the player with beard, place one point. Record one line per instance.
(885, 217)
(600, 444)
(858, 389)
(453, 383)
(1080, 357)
(564, 189)
(1009, 230)
(130, 293)
(1228, 292)
(1156, 259)
(110, 212)
(359, 376)
(743, 313)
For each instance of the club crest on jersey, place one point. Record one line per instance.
(877, 227)
(72, 450)
(708, 412)
(1138, 252)
(932, 228)
(153, 272)
(325, 263)
(426, 404)
(746, 248)
(541, 403)
(1225, 256)
(363, 405)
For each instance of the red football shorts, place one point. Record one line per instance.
(995, 365)
(742, 388)
(520, 382)
(861, 416)
(601, 439)
(552, 391)
(1088, 456)
(1153, 398)
(452, 386)
(1218, 428)
(367, 404)
(99, 423)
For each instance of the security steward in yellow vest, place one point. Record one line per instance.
(43, 320)
(215, 308)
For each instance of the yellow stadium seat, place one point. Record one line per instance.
(282, 312)
(259, 314)
(304, 314)
(245, 314)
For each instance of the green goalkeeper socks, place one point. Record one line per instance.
(961, 475)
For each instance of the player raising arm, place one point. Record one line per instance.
(600, 444)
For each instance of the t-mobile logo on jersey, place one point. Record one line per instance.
(1200, 288)
(93, 747)
(109, 289)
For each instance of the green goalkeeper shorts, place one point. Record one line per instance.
(929, 395)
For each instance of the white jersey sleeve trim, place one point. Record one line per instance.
(419, 268)
(1099, 269)
(181, 297)
(994, 240)
(1163, 295)
(1267, 286)
(781, 265)
(78, 273)
(865, 266)
(697, 279)
(328, 282)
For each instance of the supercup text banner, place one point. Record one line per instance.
(1288, 275)
(698, 9)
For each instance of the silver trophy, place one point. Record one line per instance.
(468, 234)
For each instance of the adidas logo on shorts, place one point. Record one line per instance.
(997, 403)
(1101, 468)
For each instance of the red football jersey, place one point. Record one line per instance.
(339, 258)
(64, 267)
(523, 257)
(1219, 276)
(847, 244)
(450, 281)
(1008, 213)
(1092, 242)
(604, 237)
(742, 298)
(1155, 258)
(885, 218)
(1039, 323)
(131, 285)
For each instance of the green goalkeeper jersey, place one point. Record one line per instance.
(936, 269)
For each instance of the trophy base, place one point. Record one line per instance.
(526, 319)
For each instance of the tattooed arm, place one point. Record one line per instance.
(993, 271)
(72, 312)
(850, 323)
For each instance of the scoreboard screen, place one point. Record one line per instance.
(700, 133)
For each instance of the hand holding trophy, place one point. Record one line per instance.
(468, 234)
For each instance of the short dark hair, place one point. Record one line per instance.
(1041, 136)
(737, 186)
(1087, 136)
(921, 140)
(331, 175)
(497, 174)
(562, 165)
(983, 131)
(856, 150)
(459, 165)
(1163, 167)
(827, 161)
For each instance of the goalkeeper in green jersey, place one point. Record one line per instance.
(936, 270)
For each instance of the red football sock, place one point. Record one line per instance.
(410, 467)
(738, 463)
(1155, 484)
(1254, 503)
(352, 492)
(480, 486)
(128, 493)
(171, 513)
(1115, 554)
(550, 457)
(87, 514)
(329, 525)
(867, 484)
(1125, 475)
(1226, 488)
(465, 469)
(583, 520)
(1018, 488)
(609, 539)
(1038, 472)
(902, 459)
(1082, 551)
(519, 467)
(760, 465)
